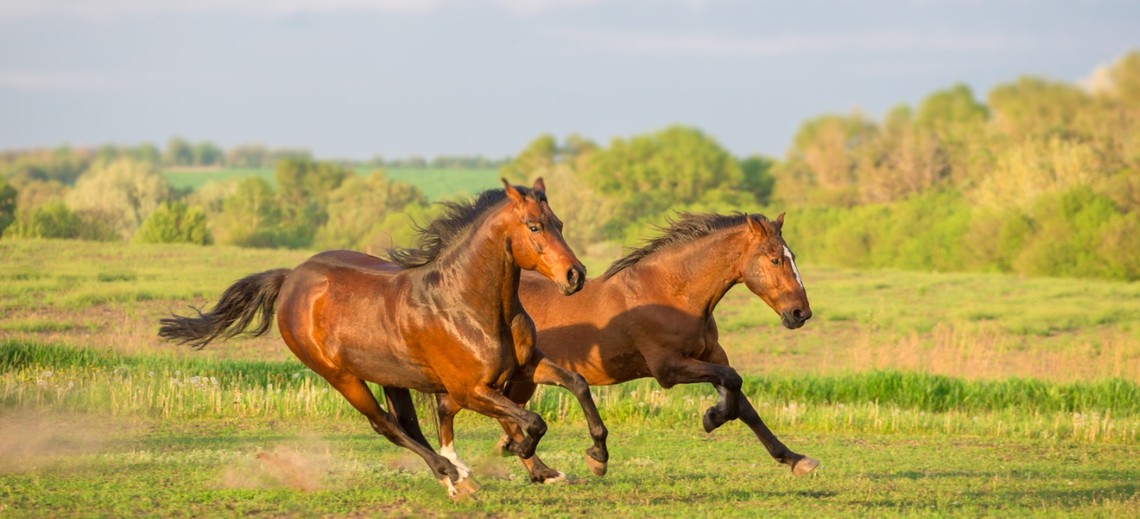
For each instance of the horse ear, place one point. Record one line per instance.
(755, 226)
(513, 193)
(539, 185)
(780, 222)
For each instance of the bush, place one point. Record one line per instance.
(175, 223)
(51, 220)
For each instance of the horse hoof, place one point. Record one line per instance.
(597, 467)
(463, 490)
(560, 478)
(712, 420)
(505, 447)
(805, 465)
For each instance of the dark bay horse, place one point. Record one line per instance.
(445, 316)
(651, 315)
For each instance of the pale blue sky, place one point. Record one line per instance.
(354, 78)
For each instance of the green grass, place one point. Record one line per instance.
(921, 393)
(971, 325)
(52, 377)
(212, 467)
(436, 183)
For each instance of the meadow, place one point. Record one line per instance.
(921, 393)
(436, 183)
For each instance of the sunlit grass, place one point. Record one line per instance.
(58, 377)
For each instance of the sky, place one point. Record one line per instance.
(353, 79)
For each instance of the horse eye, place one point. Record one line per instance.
(534, 228)
(775, 261)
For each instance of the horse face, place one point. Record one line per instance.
(770, 272)
(536, 240)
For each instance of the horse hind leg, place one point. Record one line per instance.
(357, 393)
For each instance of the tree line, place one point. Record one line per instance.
(1041, 177)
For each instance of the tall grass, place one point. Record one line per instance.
(65, 378)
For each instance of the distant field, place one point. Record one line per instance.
(436, 183)
(972, 325)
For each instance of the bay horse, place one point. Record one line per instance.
(651, 315)
(444, 316)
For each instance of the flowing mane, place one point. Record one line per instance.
(456, 218)
(685, 228)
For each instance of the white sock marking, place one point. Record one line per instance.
(448, 451)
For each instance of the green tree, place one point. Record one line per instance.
(541, 153)
(303, 189)
(248, 156)
(649, 174)
(51, 220)
(178, 153)
(945, 110)
(174, 222)
(359, 205)
(119, 195)
(145, 152)
(1036, 107)
(757, 177)
(7, 205)
(251, 216)
(207, 154)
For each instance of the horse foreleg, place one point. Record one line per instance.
(357, 393)
(671, 371)
(447, 408)
(799, 463)
(715, 416)
(546, 372)
(487, 401)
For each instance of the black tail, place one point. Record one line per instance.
(239, 304)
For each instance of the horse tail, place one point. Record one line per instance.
(247, 299)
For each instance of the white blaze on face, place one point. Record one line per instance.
(792, 262)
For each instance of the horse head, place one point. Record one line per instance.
(770, 271)
(536, 240)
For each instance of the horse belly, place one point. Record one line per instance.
(388, 369)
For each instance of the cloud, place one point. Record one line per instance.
(110, 9)
(729, 46)
(24, 80)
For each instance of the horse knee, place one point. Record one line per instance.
(536, 427)
(733, 382)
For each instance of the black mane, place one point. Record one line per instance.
(456, 218)
(685, 228)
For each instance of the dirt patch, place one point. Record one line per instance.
(282, 467)
(32, 440)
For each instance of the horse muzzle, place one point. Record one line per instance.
(795, 318)
(575, 279)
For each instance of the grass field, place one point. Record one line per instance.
(436, 183)
(921, 393)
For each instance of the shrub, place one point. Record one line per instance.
(175, 223)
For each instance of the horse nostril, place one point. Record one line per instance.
(572, 276)
(801, 314)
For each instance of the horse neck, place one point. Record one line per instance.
(701, 271)
(482, 259)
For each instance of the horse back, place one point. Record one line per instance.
(346, 312)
